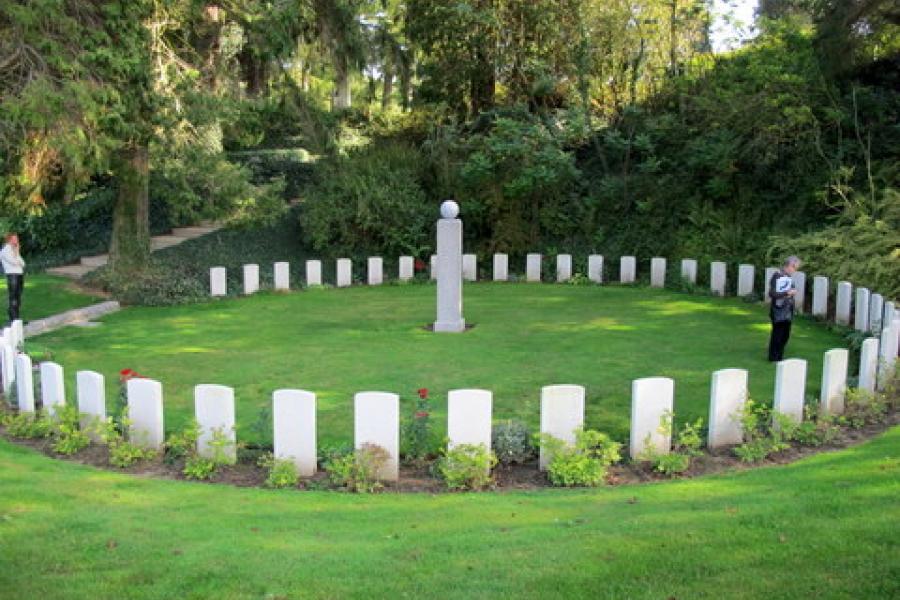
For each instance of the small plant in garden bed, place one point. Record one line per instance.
(686, 442)
(282, 473)
(197, 466)
(583, 464)
(511, 441)
(862, 408)
(467, 467)
(68, 437)
(358, 470)
(417, 430)
(28, 426)
(122, 452)
(766, 432)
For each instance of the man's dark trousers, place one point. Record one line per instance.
(14, 285)
(781, 332)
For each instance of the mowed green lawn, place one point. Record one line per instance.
(336, 342)
(825, 527)
(44, 295)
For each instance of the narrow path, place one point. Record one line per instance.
(177, 236)
(76, 316)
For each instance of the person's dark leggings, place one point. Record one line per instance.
(14, 285)
(781, 332)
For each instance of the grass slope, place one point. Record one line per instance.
(338, 342)
(825, 527)
(45, 295)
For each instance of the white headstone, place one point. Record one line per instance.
(658, 272)
(767, 284)
(595, 268)
(251, 279)
(834, 381)
(652, 398)
(375, 270)
(406, 270)
(433, 265)
(890, 313)
(842, 304)
(887, 355)
(450, 277)
(214, 411)
(53, 392)
(820, 297)
(7, 366)
(861, 318)
(627, 269)
(344, 272)
(746, 275)
(376, 422)
(563, 267)
(562, 414)
(689, 270)
(876, 313)
(790, 388)
(717, 275)
(24, 383)
(469, 418)
(282, 276)
(313, 272)
(727, 397)
(18, 330)
(868, 364)
(218, 281)
(145, 411)
(799, 278)
(294, 420)
(91, 393)
(501, 267)
(470, 267)
(533, 267)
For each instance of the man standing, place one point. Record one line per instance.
(14, 267)
(781, 309)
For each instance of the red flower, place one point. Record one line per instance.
(126, 372)
(419, 264)
(423, 393)
(421, 414)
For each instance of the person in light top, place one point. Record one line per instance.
(14, 267)
(781, 309)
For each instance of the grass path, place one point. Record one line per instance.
(337, 342)
(825, 527)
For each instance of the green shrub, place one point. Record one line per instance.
(68, 437)
(417, 436)
(765, 431)
(686, 444)
(282, 473)
(467, 467)
(156, 285)
(199, 467)
(358, 471)
(583, 464)
(28, 425)
(181, 444)
(862, 408)
(122, 452)
(511, 441)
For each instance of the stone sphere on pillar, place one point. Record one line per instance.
(449, 209)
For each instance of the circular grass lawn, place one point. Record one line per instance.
(336, 342)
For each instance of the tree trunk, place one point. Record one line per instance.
(405, 85)
(387, 87)
(129, 248)
(342, 99)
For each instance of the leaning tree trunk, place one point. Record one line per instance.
(129, 248)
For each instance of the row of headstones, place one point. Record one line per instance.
(469, 411)
(871, 309)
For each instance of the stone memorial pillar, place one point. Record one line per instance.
(449, 286)
(91, 395)
(344, 272)
(834, 381)
(746, 275)
(658, 272)
(627, 269)
(868, 365)
(294, 421)
(53, 393)
(562, 415)
(563, 267)
(375, 270)
(313, 272)
(282, 276)
(406, 268)
(790, 388)
(218, 281)
(214, 411)
(717, 277)
(820, 297)
(595, 268)
(377, 422)
(501, 267)
(24, 383)
(533, 267)
(842, 304)
(689, 270)
(727, 397)
(861, 318)
(145, 411)
(652, 398)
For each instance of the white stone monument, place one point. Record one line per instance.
(406, 268)
(53, 390)
(469, 418)
(790, 388)
(562, 415)
(449, 287)
(595, 268)
(533, 267)
(727, 397)
(627, 269)
(470, 267)
(24, 383)
(375, 270)
(868, 365)
(313, 272)
(834, 381)
(18, 329)
(294, 421)
(251, 279)
(652, 401)
(218, 281)
(746, 275)
(282, 276)
(344, 272)
(717, 276)
(861, 318)
(214, 411)
(7, 365)
(887, 355)
(501, 267)
(876, 313)
(376, 421)
(820, 297)
(689, 270)
(890, 313)
(842, 304)
(91, 393)
(799, 279)
(658, 272)
(145, 411)
(563, 267)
